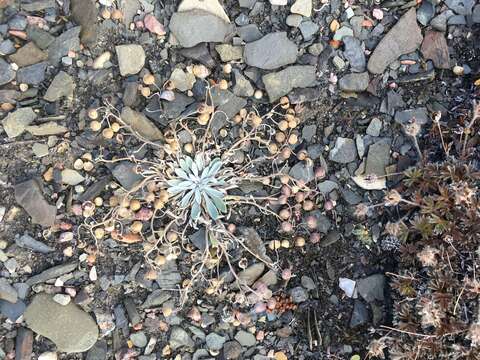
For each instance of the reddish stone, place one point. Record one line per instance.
(435, 48)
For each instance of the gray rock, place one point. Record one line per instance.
(228, 105)
(61, 86)
(27, 242)
(197, 26)
(168, 277)
(378, 158)
(245, 338)
(7, 74)
(281, 83)
(298, 294)
(271, 52)
(199, 53)
(302, 171)
(425, 12)
(9, 96)
(308, 29)
(40, 37)
(316, 49)
(354, 82)
(323, 222)
(249, 33)
(342, 32)
(403, 38)
(156, 298)
(7, 291)
(16, 122)
(374, 127)
(68, 40)
(252, 273)
(179, 338)
(12, 311)
(440, 21)
(457, 20)
(182, 80)
(48, 128)
(308, 132)
(461, 7)
(52, 273)
(29, 195)
(84, 13)
(38, 5)
(215, 342)
(129, 9)
(125, 174)
(71, 177)
(98, 351)
(419, 114)
(228, 52)
(354, 53)
(327, 186)
(435, 48)
(141, 124)
(131, 58)
(294, 20)
(359, 314)
(33, 74)
(242, 86)
(69, 327)
(28, 54)
(307, 282)
(232, 350)
(344, 151)
(476, 14)
(372, 287)
(17, 22)
(139, 339)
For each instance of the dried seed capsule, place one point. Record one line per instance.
(99, 233)
(273, 148)
(202, 119)
(93, 114)
(160, 260)
(107, 133)
(95, 125)
(280, 136)
(292, 139)
(283, 125)
(227, 68)
(136, 227)
(145, 91)
(135, 205)
(275, 244)
(188, 148)
(148, 79)
(286, 227)
(98, 201)
(223, 132)
(308, 205)
(258, 94)
(285, 244)
(302, 155)
(286, 153)
(78, 164)
(300, 241)
(88, 166)
(285, 214)
(256, 121)
(223, 84)
(150, 197)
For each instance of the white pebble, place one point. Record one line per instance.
(62, 299)
(49, 355)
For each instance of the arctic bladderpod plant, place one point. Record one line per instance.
(199, 187)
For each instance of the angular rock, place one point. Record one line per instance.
(199, 53)
(249, 33)
(61, 86)
(131, 58)
(40, 37)
(359, 314)
(52, 273)
(302, 171)
(139, 339)
(252, 273)
(461, 7)
(27, 242)
(344, 151)
(215, 342)
(98, 351)
(7, 74)
(46, 129)
(281, 83)
(372, 288)
(354, 82)
(245, 338)
(228, 52)
(425, 12)
(12, 311)
(71, 177)
(168, 277)
(125, 174)
(7, 291)
(232, 350)
(23, 344)
(28, 54)
(308, 29)
(196, 26)
(140, 124)
(69, 327)
(419, 114)
(403, 38)
(212, 6)
(271, 52)
(378, 158)
(33, 74)
(129, 9)
(29, 195)
(354, 53)
(16, 122)
(435, 48)
(38, 5)
(182, 80)
(242, 86)
(179, 338)
(302, 7)
(84, 13)
(68, 40)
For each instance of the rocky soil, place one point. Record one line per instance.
(357, 72)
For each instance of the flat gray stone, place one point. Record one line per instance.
(250, 274)
(197, 26)
(229, 52)
(281, 83)
(125, 174)
(405, 37)
(372, 287)
(354, 53)
(131, 58)
(12, 311)
(245, 338)
(52, 273)
(7, 74)
(27, 242)
(302, 171)
(69, 327)
(242, 86)
(378, 158)
(33, 74)
(29, 195)
(68, 40)
(354, 82)
(61, 86)
(28, 54)
(405, 116)
(84, 13)
(344, 151)
(16, 122)
(140, 124)
(7, 291)
(271, 52)
(180, 338)
(215, 342)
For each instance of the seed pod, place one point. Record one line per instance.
(286, 274)
(88, 166)
(293, 139)
(299, 197)
(315, 238)
(99, 233)
(98, 201)
(160, 260)
(311, 222)
(308, 205)
(227, 68)
(275, 244)
(286, 227)
(135, 205)
(256, 121)
(148, 79)
(223, 84)
(231, 228)
(78, 164)
(300, 241)
(200, 71)
(164, 195)
(145, 91)
(188, 148)
(223, 132)
(258, 94)
(113, 201)
(150, 197)
(93, 114)
(237, 119)
(117, 14)
(293, 123)
(302, 155)
(107, 133)
(273, 148)
(202, 119)
(158, 204)
(286, 153)
(285, 244)
(320, 172)
(329, 205)
(286, 190)
(285, 214)
(95, 125)
(283, 125)
(172, 236)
